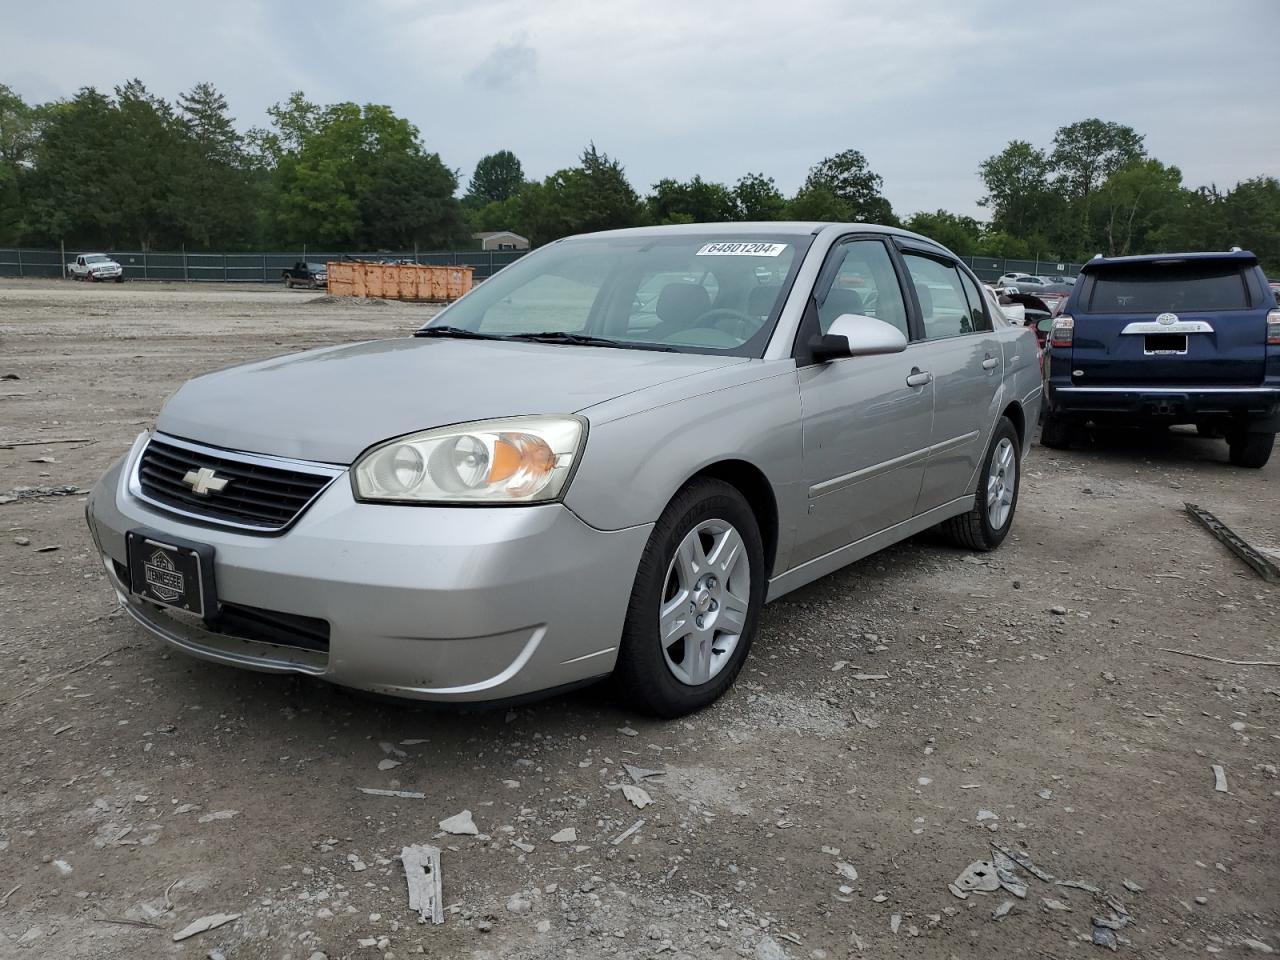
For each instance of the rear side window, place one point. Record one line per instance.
(943, 304)
(1174, 287)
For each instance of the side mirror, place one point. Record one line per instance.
(855, 335)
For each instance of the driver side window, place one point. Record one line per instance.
(865, 283)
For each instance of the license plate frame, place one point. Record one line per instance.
(1165, 344)
(171, 572)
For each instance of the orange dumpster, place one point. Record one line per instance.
(398, 281)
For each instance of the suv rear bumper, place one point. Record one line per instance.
(1259, 405)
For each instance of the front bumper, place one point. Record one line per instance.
(1256, 404)
(433, 603)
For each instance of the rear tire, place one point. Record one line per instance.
(1251, 449)
(1055, 433)
(986, 525)
(288, 283)
(705, 551)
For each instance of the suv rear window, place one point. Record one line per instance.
(1176, 287)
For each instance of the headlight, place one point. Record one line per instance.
(518, 460)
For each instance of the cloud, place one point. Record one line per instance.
(674, 88)
(508, 65)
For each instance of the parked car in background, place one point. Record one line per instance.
(311, 275)
(551, 481)
(95, 267)
(1182, 338)
(1052, 295)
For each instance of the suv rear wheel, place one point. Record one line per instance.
(1251, 449)
(1055, 433)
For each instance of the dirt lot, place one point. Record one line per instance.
(1025, 701)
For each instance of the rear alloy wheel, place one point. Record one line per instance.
(695, 603)
(986, 525)
(1251, 449)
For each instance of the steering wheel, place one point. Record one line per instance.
(708, 319)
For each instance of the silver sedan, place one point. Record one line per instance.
(604, 460)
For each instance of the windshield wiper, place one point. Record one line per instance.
(458, 332)
(584, 340)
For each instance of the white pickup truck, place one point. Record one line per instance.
(95, 266)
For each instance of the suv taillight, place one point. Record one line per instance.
(1273, 328)
(1064, 327)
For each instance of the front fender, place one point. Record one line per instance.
(634, 463)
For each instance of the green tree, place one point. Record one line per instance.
(147, 158)
(70, 190)
(695, 201)
(1084, 155)
(1252, 215)
(19, 135)
(216, 191)
(497, 177)
(759, 198)
(849, 178)
(1131, 204)
(960, 235)
(1018, 190)
(409, 200)
(335, 170)
(819, 203)
(592, 196)
(998, 243)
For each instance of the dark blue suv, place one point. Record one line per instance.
(1170, 338)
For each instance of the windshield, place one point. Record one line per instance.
(1177, 286)
(316, 267)
(96, 258)
(695, 293)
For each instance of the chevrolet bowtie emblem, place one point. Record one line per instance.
(204, 481)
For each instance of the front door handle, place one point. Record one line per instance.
(989, 363)
(919, 378)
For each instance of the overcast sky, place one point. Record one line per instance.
(926, 89)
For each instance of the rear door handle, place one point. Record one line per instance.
(989, 363)
(919, 378)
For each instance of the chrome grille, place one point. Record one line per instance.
(262, 494)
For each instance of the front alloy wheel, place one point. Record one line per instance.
(705, 600)
(695, 602)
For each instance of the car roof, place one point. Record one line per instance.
(1243, 257)
(777, 228)
(780, 228)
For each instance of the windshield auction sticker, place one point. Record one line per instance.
(740, 249)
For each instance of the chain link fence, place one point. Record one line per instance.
(238, 267)
(991, 268)
(268, 267)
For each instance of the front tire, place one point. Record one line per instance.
(986, 525)
(695, 604)
(1251, 449)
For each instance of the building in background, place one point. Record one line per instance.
(501, 240)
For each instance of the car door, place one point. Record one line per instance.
(964, 356)
(866, 421)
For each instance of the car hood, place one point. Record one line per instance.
(331, 404)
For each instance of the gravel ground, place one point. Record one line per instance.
(894, 721)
